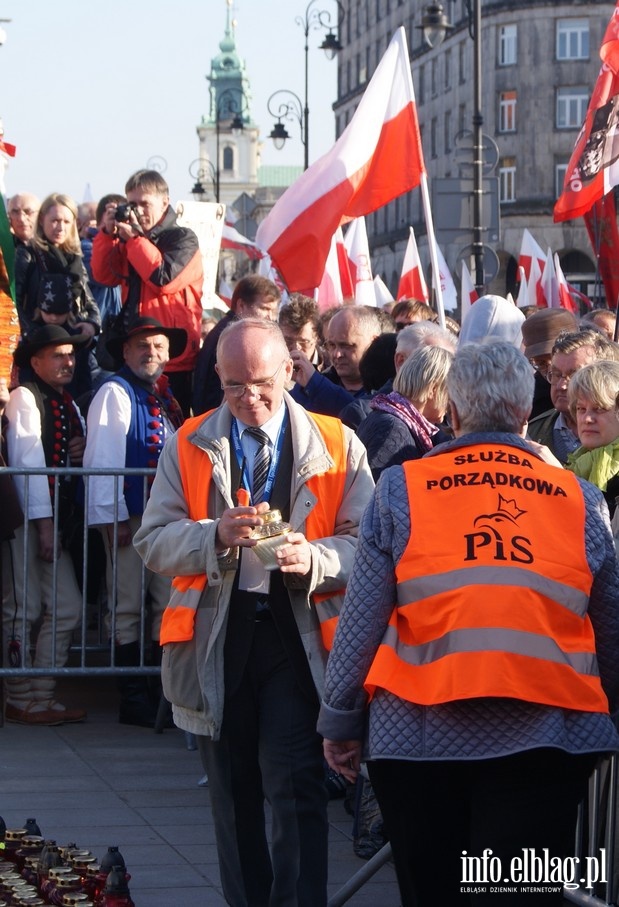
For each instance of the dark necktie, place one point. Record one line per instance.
(262, 462)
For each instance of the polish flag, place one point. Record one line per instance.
(534, 285)
(523, 291)
(377, 158)
(468, 293)
(550, 284)
(529, 250)
(343, 262)
(381, 291)
(412, 281)
(358, 251)
(232, 239)
(450, 294)
(566, 300)
(330, 291)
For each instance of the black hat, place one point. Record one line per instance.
(54, 295)
(143, 325)
(48, 335)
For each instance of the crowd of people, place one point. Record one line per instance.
(441, 598)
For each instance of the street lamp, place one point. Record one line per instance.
(287, 107)
(435, 26)
(202, 171)
(313, 19)
(231, 106)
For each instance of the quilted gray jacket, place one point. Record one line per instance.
(467, 729)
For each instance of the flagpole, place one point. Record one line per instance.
(436, 275)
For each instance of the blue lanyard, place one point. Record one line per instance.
(241, 460)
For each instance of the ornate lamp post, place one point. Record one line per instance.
(314, 19)
(203, 172)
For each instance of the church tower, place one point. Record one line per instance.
(229, 149)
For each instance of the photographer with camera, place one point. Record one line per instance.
(158, 266)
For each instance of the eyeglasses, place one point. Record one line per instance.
(557, 377)
(258, 387)
(291, 342)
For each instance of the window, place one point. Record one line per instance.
(447, 73)
(461, 117)
(434, 77)
(560, 171)
(462, 62)
(507, 111)
(571, 107)
(228, 158)
(508, 35)
(433, 138)
(447, 131)
(507, 180)
(422, 84)
(572, 39)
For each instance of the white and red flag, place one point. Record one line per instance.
(468, 292)
(523, 291)
(382, 292)
(360, 265)
(448, 287)
(530, 250)
(330, 291)
(566, 299)
(412, 281)
(593, 169)
(232, 239)
(550, 284)
(377, 158)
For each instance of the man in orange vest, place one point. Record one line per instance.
(476, 651)
(244, 647)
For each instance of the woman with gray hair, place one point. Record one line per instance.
(403, 425)
(474, 664)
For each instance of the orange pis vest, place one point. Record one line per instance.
(196, 471)
(493, 585)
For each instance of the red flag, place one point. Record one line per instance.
(377, 158)
(8, 149)
(565, 297)
(412, 281)
(593, 169)
(601, 223)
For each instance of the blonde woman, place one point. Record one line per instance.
(55, 248)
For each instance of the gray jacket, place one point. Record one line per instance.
(466, 729)
(172, 544)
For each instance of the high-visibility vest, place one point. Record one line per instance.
(493, 586)
(195, 467)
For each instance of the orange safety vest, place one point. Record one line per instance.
(196, 471)
(493, 585)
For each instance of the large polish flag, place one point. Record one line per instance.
(360, 264)
(412, 281)
(377, 158)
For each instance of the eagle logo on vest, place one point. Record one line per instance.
(502, 546)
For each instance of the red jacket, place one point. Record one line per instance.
(160, 275)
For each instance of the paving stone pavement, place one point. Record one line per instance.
(101, 784)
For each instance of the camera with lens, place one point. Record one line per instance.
(123, 212)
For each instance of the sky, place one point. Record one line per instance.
(92, 91)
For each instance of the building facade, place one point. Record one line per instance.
(539, 63)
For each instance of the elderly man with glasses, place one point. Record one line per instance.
(245, 647)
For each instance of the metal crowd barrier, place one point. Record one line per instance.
(93, 644)
(92, 649)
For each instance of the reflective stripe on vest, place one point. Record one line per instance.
(493, 585)
(196, 473)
